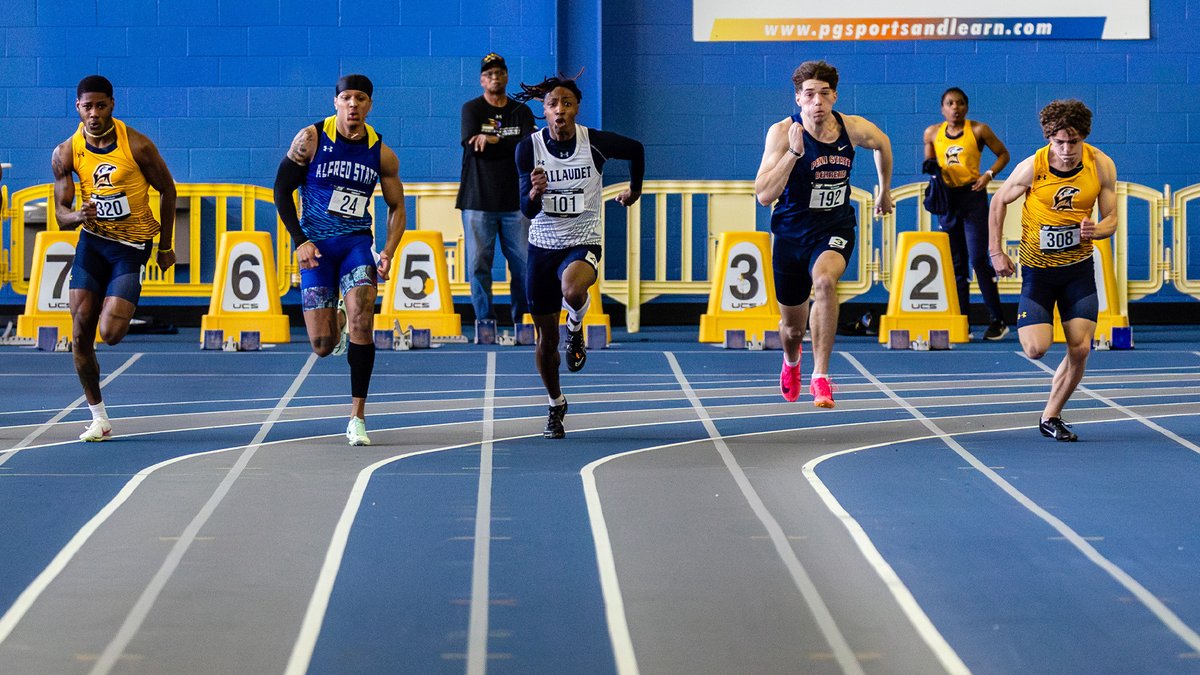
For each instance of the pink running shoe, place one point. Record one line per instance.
(789, 382)
(822, 392)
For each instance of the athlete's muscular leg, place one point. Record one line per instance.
(85, 314)
(323, 332)
(1079, 334)
(360, 322)
(115, 315)
(546, 355)
(1036, 339)
(576, 280)
(824, 313)
(793, 322)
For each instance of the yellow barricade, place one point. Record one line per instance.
(417, 291)
(244, 295)
(1110, 315)
(923, 296)
(48, 300)
(742, 296)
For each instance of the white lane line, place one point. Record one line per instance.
(133, 621)
(477, 632)
(808, 590)
(1156, 607)
(66, 411)
(904, 598)
(1132, 414)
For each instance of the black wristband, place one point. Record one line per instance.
(798, 154)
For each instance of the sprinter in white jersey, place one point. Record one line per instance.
(560, 169)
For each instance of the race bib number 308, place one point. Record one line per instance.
(1059, 238)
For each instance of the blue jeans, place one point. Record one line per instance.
(479, 237)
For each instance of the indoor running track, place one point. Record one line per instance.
(691, 522)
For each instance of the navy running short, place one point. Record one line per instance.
(1072, 288)
(793, 260)
(109, 268)
(346, 262)
(544, 270)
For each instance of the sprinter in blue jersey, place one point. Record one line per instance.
(806, 167)
(336, 164)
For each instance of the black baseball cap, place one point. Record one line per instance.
(492, 60)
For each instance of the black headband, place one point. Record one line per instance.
(356, 82)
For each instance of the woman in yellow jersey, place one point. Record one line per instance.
(954, 148)
(1061, 183)
(116, 166)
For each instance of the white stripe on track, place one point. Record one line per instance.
(66, 411)
(477, 631)
(141, 608)
(1132, 414)
(1152, 603)
(804, 583)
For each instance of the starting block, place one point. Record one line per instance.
(735, 339)
(771, 340)
(485, 332)
(449, 339)
(213, 340)
(384, 339)
(506, 340)
(9, 339)
(1101, 345)
(919, 345)
(939, 339)
(231, 345)
(898, 339)
(250, 341)
(1122, 337)
(47, 338)
(525, 334)
(596, 337)
(422, 338)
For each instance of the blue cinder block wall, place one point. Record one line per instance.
(222, 85)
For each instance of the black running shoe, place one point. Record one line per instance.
(1054, 427)
(554, 425)
(575, 351)
(996, 331)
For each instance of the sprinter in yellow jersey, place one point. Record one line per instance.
(116, 165)
(954, 148)
(1061, 184)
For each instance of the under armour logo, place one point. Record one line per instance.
(326, 148)
(952, 154)
(1065, 197)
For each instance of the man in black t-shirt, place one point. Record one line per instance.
(488, 193)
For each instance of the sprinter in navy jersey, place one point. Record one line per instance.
(560, 169)
(336, 163)
(806, 167)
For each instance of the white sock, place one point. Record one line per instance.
(98, 412)
(562, 398)
(790, 363)
(575, 316)
(816, 375)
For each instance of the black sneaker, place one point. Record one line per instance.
(996, 331)
(576, 353)
(554, 425)
(1054, 427)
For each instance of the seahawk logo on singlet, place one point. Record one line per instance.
(1064, 198)
(102, 176)
(952, 154)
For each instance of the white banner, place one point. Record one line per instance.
(787, 20)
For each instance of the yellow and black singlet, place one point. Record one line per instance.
(958, 156)
(1055, 204)
(113, 180)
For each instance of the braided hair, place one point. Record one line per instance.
(538, 91)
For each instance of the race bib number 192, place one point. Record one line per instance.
(828, 196)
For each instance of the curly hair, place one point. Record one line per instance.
(815, 70)
(538, 91)
(1066, 114)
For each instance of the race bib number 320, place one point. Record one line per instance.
(111, 207)
(1059, 237)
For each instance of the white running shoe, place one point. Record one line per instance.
(343, 342)
(98, 430)
(356, 432)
